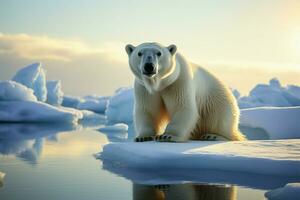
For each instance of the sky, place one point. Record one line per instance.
(82, 43)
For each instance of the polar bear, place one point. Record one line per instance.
(176, 100)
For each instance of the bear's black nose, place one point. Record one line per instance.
(149, 68)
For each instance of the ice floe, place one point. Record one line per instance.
(256, 157)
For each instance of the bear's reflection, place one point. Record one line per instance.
(184, 192)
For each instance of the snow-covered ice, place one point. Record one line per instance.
(27, 111)
(290, 191)
(13, 91)
(278, 122)
(54, 93)
(33, 76)
(268, 157)
(120, 106)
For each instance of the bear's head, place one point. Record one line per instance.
(152, 64)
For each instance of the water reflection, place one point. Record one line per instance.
(25, 141)
(183, 191)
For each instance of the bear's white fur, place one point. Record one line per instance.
(179, 99)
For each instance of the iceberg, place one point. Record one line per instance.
(290, 191)
(91, 119)
(92, 103)
(114, 128)
(120, 106)
(70, 101)
(54, 93)
(272, 94)
(213, 155)
(13, 91)
(236, 93)
(116, 132)
(294, 90)
(33, 76)
(27, 111)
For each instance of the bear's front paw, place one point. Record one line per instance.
(169, 138)
(143, 138)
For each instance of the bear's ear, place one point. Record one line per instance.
(129, 49)
(172, 49)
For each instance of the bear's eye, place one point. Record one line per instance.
(140, 54)
(158, 54)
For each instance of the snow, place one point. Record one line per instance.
(290, 191)
(54, 93)
(225, 156)
(120, 106)
(278, 122)
(27, 111)
(272, 94)
(13, 91)
(33, 76)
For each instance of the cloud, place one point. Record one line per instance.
(46, 48)
(81, 68)
(84, 69)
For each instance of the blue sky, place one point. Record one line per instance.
(232, 37)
